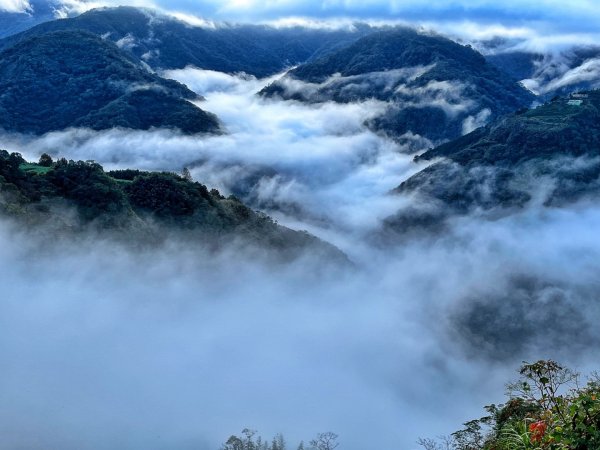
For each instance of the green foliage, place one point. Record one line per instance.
(385, 50)
(38, 169)
(549, 130)
(547, 410)
(86, 184)
(250, 440)
(76, 196)
(125, 174)
(73, 78)
(150, 108)
(167, 194)
(504, 164)
(23, 185)
(46, 160)
(450, 65)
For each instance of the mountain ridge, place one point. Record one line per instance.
(165, 42)
(435, 87)
(548, 156)
(69, 79)
(72, 198)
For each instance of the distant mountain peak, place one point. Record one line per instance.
(434, 87)
(74, 78)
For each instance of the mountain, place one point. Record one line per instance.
(165, 42)
(40, 11)
(434, 87)
(551, 73)
(519, 64)
(76, 79)
(68, 198)
(549, 156)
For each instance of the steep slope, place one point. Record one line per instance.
(68, 199)
(167, 43)
(435, 87)
(519, 64)
(74, 79)
(553, 73)
(548, 156)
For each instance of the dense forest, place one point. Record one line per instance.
(167, 43)
(76, 79)
(144, 206)
(431, 83)
(549, 154)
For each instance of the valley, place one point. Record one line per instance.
(342, 232)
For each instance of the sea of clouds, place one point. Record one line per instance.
(103, 347)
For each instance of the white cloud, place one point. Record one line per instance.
(177, 348)
(325, 151)
(15, 6)
(471, 123)
(174, 347)
(564, 76)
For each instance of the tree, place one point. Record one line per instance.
(325, 441)
(278, 443)
(548, 409)
(431, 444)
(246, 442)
(46, 160)
(542, 383)
(186, 174)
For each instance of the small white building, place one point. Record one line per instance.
(575, 102)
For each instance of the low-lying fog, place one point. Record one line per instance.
(173, 348)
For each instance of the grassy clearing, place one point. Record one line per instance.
(35, 168)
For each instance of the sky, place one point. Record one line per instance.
(14, 5)
(539, 25)
(548, 26)
(574, 16)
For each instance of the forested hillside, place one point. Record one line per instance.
(435, 87)
(144, 207)
(167, 43)
(547, 156)
(76, 79)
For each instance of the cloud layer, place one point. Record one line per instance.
(172, 347)
(273, 155)
(104, 347)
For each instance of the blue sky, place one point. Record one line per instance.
(584, 12)
(569, 14)
(535, 20)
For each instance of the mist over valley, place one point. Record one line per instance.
(347, 231)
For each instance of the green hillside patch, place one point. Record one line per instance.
(34, 168)
(75, 196)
